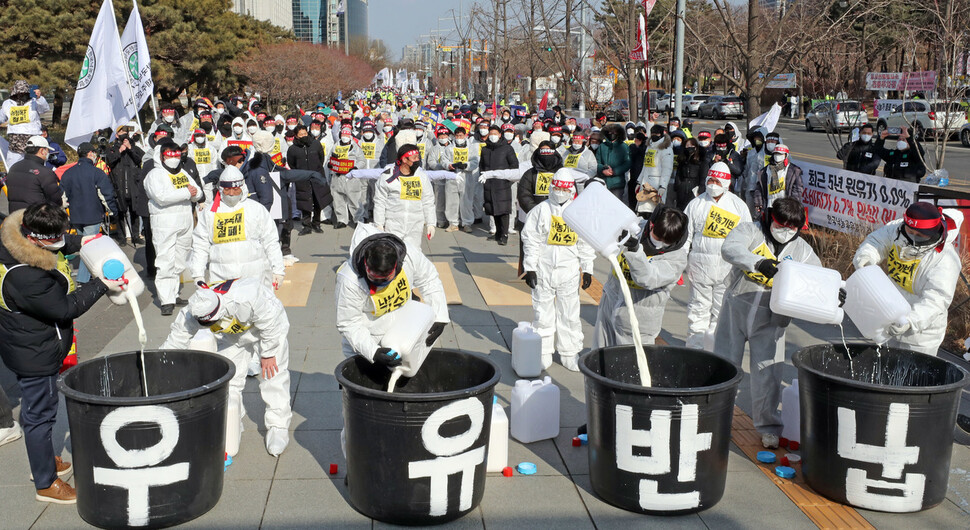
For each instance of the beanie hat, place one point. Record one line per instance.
(263, 141)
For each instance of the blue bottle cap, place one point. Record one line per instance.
(526, 468)
(766, 457)
(583, 439)
(113, 269)
(785, 472)
(494, 400)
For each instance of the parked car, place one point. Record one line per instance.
(836, 115)
(965, 135)
(721, 107)
(655, 95)
(924, 117)
(664, 102)
(619, 110)
(692, 102)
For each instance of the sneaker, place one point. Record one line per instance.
(59, 492)
(467, 229)
(63, 468)
(276, 440)
(137, 241)
(769, 441)
(513, 231)
(504, 240)
(570, 362)
(305, 231)
(168, 309)
(11, 434)
(451, 228)
(181, 303)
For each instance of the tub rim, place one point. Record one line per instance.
(638, 389)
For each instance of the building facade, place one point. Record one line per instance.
(358, 24)
(276, 12)
(310, 20)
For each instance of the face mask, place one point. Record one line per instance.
(778, 158)
(629, 132)
(493, 138)
(782, 234)
(865, 137)
(704, 143)
(483, 133)
(508, 136)
(232, 200)
(269, 129)
(252, 130)
(657, 244)
(219, 112)
(570, 127)
(577, 147)
(419, 134)
(289, 143)
(368, 136)
(556, 139)
(758, 144)
(388, 128)
(506, 118)
(239, 106)
(345, 140)
(690, 149)
(715, 190)
(676, 143)
(902, 145)
(560, 197)
(172, 163)
(672, 128)
(315, 133)
(168, 118)
(594, 147)
(54, 247)
(770, 146)
(460, 142)
(200, 141)
(443, 141)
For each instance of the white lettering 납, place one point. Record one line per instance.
(138, 481)
(449, 462)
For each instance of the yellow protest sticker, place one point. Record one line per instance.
(460, 155)
(572, 160)
(650, 158)
(773, 190)
(757, 277)
(560, 233)
(543, 182)
(202, 156)
(901, 271)
(410, 188)
(392, 296)
(481, 145)
(341, 151)
(233, 328)
(625, 266)
(229, 227)
(20, 115)
(768, 159)
(195, 124)
(421, 147)
(719, 223)
(180, 180)
(369, 149)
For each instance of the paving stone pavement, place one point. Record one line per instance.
(296, 490)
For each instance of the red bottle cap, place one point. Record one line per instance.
(577, 442)
(793, 445)
(783, 442)
(508, 472)
(333, 469)
(784, 461)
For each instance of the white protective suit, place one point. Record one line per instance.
(658, 166)
(363, 318)
(473, 199)
(254, 319)
(755, 161)
(746, 318)
(650, 279)
(583, 161)
(238, 241)
(450, 193)
(927, 282)
(558, 256)
(206, 159)
(405, 205)
(709, 222)
(372, 150)
(170, 206)
(347, 193)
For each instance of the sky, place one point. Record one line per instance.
(401, 22)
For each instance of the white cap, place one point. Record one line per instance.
(204, 304)
(720, 171)
(263, 141)
(38, 141)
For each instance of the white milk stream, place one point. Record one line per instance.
(142, 336)
(634, 323)
(395, 375)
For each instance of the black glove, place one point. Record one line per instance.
(767, 267)
(631, 244)
(436, 330)
(387, 357)
(587, 280)
(531, 280)
(841, 297)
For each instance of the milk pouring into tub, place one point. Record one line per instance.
(407, 337)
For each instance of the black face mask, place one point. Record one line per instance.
(303, 141)
(654, 138)
(690, 149)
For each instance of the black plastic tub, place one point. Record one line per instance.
(877, 425)
(417, 456)
(661, 449)
(147, 461)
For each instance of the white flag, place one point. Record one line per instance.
(137, 62)
(102, 88)
(341, 7)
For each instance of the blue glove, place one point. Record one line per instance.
(387, 357)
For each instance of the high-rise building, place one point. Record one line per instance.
(310, 20)
(356, 14)
(276, 12)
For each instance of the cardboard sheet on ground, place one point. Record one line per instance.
(297, 283)
(447, 282)
(499, 285)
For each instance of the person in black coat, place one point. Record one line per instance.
(691, 173)
(124, 158)
(38, 304)
(534, 185)
(638, 151)
(904, 157)
(862, 155)
(498, 154)
(723, 151)
(307, 153)
(30, 181)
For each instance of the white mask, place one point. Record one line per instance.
(560, 197)
(388, 128)
(168, 118)
(483, 132)
(657, 244)
(715, 190)
(577, 147)
(232, 200)
(675, 143)
(200, 141)
(770, 146)
(219, 112)
(419, 134)
(556, 139)
(172, 163)
(778, 157)
(237, 130)
(368, 136)
(704, 143)
(315, 133)
(865, 137)
(460, 142)
(345, 140)
(269, 129)
(252, 129)
(783, 235)
(672, 128)
(55, 246)
(508, 136)
(494, 138)
(902, 145)
(570, 127)
(629, 132)
(290, 126)
(594, 147)
(443, 141)
(288, 143)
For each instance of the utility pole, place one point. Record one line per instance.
(492, 58)
(679, 68)
(583, 52)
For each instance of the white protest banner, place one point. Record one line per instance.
(883, 80)
(853, 202)
(884, 107)
(782, 81)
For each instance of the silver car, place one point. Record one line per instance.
(836, 115)
(692, 102)
(721, 107)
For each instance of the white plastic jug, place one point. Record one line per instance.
(408, 334)
(105, 259)
(600, 218)
(526, 351)
(535, 410)
(807, 292)
(873, 302)
(498, 439)
(790, 413)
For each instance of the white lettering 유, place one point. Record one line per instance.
(893, 457)
(449, 462)
(137, 481)
(658, 463)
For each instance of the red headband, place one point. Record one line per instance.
(922, 224)
(172, 153)
(407, 154)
